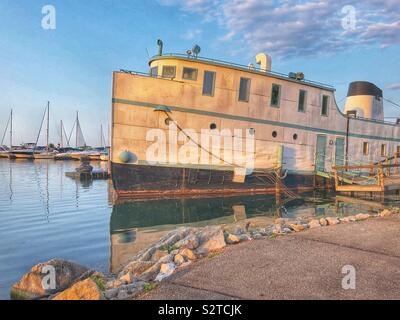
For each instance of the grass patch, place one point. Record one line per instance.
(172, 248)
(149, 286)
(99, 282)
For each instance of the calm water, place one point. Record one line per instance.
(45, 215)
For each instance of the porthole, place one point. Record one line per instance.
(213, 126)
(295, 136)
(274, 134)
(168, 121)
(252, 131)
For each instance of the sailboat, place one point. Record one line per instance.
(4, 151)
(47, 154)
(105, 153)
(81, 144)
(64, 150)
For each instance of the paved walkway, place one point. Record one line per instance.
(305, 265)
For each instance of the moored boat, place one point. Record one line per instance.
(292, 125)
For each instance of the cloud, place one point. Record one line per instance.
(393, 86)
(288, 28)
(192, 34)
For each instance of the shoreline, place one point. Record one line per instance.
(179, 249)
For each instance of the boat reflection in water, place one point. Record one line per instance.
(139, 224)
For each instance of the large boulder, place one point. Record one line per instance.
(38, 284)
(191, 242)
(82, 290)
(211, 239)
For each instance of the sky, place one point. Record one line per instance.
(70, 65)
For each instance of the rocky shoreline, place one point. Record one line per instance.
(176, 250)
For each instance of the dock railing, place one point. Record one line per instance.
(368, 177)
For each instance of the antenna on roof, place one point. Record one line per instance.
(196, 50)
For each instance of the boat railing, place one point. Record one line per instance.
(241, 66)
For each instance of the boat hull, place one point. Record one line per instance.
(22, 155)
(44, 156)
(146, 181)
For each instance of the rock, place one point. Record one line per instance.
(345, 220)
(297, 227)
(127, 278)
(37, 283)
(137, 268)
(188, 254)
(82, 290)
(277, 229)
(385, 213)
(238, 231)
(244, 237)
(286, 230)
(232, 239)
(281, 221)
(158, 254)
(151, 273)
(323, 222)
(191, 242)
(111, 293)
(114, 284)
(332, 221)
(211, 239)
(267, 232)
(314, 224)
(130, 291)
(179, 259)
(166, 270)
(362, 216)
(257, 236)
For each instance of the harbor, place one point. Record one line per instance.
(211, 149)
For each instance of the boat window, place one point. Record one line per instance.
(189, 74)
(244, 90)
(275, 95)
(365, 148)
(274, 134)
(169, 71)
(302, 101)
(383, 150)
(154, 72)
(295, 136)
(208, 83)
(213, 126)
(325, 105)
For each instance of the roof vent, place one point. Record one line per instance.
(265, 61)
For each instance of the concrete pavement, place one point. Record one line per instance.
(306, 265)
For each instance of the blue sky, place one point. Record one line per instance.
(71, 66)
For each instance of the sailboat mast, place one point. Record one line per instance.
(48, 126)
(101, 136)
(11, 129)
(77, 125)
(61, 131)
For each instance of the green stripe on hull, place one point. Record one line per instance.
(253, 120)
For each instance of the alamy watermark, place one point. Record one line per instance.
(49, 280)
(349, 20)
(49, 19)
(208, 147)
(349, 280)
